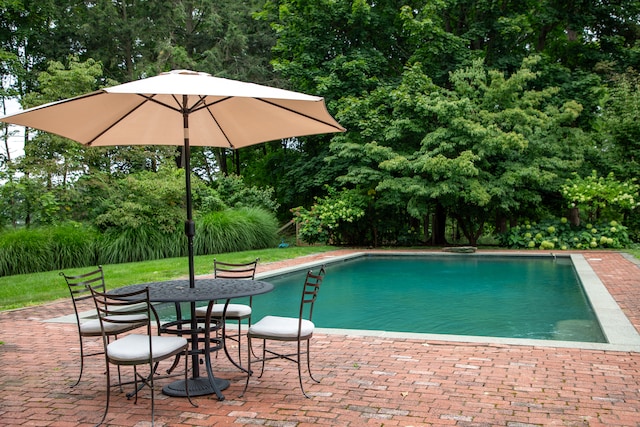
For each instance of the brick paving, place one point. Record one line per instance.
(365, 381)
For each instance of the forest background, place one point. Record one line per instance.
(508, 122)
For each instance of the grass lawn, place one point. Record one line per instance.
(32, 289)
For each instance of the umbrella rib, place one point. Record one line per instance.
(108, 128)
(299, 113)
(213, 117)
(202, 104)
(164, 104)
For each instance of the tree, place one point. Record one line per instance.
(489, 147)
(618, 127)
(48, 156)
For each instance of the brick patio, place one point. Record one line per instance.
(365, 381)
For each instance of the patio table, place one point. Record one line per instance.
(208, 290)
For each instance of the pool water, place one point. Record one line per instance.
(514, 297)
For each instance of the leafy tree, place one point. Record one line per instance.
(335, 48)
(489, 147)
(443, 117)
(235, 193)
(618, 127)
(49, 156)
(26, 201)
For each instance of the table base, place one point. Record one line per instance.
(197, 387)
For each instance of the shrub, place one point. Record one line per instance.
(331, 218)
(236, 194)
(561, 235)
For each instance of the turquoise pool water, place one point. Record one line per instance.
(514, 297)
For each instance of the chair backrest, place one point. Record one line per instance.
(310, 292)
(226, 270)
(132, 309)
(79, 286)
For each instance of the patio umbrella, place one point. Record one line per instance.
(185, 108)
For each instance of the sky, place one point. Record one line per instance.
(16, 141)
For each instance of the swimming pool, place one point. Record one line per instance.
(513, 297)
(620, 333)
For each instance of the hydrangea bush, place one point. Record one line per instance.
(554, 234)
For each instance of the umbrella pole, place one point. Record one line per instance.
(190, 231)
(189, 225)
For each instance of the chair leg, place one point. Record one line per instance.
(176, 361)
(264, 357)
(300, 373)
(153, 393)
(186, 379)
(145, 381)
(309, 361)
(249, 352)
(81, 362)
(120, 379)
(239, 346)
(106, 408)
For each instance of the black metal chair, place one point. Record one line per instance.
(235, 312)
(79, 289)
(293, 329)
(136, 349)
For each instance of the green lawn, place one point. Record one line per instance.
(33, 289)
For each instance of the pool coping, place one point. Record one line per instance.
(618, 330)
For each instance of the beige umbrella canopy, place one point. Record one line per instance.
(220, 112)
(182, 107)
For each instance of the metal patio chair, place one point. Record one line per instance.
(235, 312)
(136, 349)
(292, 329)
(79, 288)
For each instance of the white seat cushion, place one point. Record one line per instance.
(281, 327)
(234, 311)
(92, 327)
(135, 347)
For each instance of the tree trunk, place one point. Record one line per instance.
(425, 225)
(501, 224)
(236, 158)
(574, 216)
(221, 155)
(438, 226)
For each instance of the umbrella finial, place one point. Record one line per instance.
(187, 72)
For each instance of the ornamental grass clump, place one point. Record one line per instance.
(141, 243)
(235, 230)
(31, 250)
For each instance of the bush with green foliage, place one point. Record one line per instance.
(235, 194)
(27, 200)
(601, 198)
(146, 199)
(141, 217)
(561, 235)
(332, 218)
